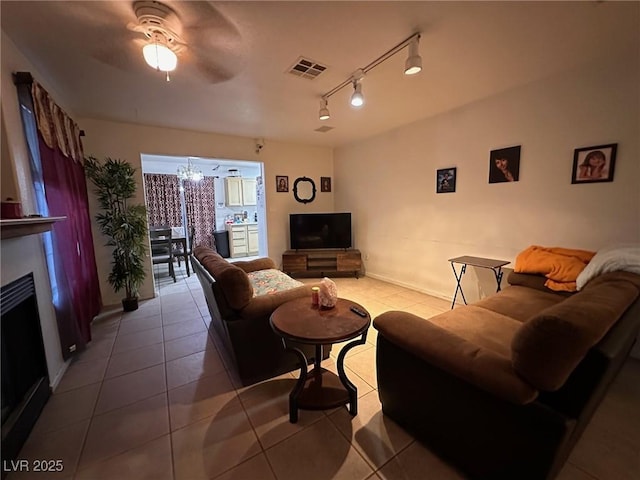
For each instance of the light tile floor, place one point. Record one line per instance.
(151, 399)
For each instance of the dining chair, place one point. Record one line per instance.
(181, 251)
(162, 249)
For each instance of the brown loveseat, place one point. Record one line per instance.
(504, 388)
(241, 297)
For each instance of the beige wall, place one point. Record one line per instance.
(128, 142)
(407, 232)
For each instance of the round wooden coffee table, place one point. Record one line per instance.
(298, 321)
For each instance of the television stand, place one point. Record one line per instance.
(322, 261)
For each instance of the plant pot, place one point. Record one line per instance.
(130, 304)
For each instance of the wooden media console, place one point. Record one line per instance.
(319, 262)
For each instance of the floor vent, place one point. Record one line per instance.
(324, 129)
(305, 68)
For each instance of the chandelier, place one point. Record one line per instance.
(189, 172)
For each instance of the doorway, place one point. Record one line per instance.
(221, 175)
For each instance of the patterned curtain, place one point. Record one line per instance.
(200, 200)
(58, 130)
(163, 200)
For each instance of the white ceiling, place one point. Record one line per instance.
(231, 77)
(210, 167)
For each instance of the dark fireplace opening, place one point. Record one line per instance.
(25, 381)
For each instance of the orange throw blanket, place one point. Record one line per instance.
(561, 266)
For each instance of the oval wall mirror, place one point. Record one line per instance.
(304, 189)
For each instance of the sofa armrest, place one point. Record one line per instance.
(255, 265)
(453, 354)
(264, 305)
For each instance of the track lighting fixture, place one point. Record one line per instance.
(324, 110)
(413, 65)
(357, 99)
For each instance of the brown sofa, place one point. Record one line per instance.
(504, 388)
(241, 297)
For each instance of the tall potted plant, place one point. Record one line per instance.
(122, 222)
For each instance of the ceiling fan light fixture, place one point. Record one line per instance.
(160, 57)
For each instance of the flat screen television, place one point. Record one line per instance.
(320, 230)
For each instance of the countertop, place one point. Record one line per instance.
(243, 223)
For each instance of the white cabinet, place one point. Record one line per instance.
(239, 191)
(243, 240)
(249, 191)
(253, 244)
(233, 191)
(238, 244)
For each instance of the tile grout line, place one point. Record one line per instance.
(95, 405)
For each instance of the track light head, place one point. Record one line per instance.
(323, 114)
(357, 99)
(413, 64)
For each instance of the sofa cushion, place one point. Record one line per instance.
(520, 303)
(263, 263)
(451, 353)
(233, 281)
(270, 281)
(481, 327)
(532, 280)
(549, 346)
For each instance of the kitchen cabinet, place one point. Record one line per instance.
(233, 191)
(239, 191)
(253, 245)
(243, 239)
(249, 191)
(238, 245)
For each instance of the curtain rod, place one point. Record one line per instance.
(22, 78)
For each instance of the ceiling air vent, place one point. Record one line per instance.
(305, 68)
(324, 129)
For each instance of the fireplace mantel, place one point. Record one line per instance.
(20, 227)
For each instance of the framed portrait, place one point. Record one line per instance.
(446, 180)
(282, 183)
(594, 164)
(325, 184)
(504, 165)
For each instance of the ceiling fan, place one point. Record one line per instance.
(161, 27)
(200, 41)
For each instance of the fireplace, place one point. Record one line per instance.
(25, 381)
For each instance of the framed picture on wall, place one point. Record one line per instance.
(446, 180)
(504, 165)
(282, 183)
(594, 164)
(325, 184)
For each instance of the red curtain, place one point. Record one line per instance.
(61, 190)
(75, 265)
